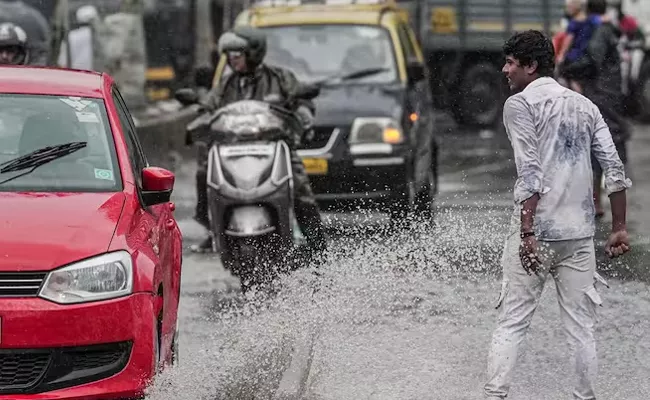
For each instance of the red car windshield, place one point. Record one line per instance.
(29, 123)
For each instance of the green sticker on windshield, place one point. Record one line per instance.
(106, 174)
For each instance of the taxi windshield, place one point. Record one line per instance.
(314, 52)
(56, 144)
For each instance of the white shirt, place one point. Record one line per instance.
(81, 45)
(553, 131)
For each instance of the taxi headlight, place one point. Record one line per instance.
(375, 130)
(99, 278)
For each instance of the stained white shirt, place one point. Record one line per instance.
(553, 131)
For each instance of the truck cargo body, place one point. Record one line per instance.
(463, 41)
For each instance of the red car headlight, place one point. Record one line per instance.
(99, 278)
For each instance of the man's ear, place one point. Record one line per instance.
(532, 68)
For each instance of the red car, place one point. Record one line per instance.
(90, 251)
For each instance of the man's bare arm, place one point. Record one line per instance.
(528, 210)
(618, 202)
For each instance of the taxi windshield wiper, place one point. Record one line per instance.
(362, 73)
(39, 157)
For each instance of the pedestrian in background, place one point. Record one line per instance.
(553, 131)
(559, 36)
(601, 65)
(580, 28)
(82, 41)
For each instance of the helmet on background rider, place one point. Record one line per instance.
(243, 41)
(13, 44)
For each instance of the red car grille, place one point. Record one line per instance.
(32, 371)
(20, 284)
(19, 371)
(91, 359)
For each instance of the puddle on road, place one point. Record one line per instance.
(402, 317)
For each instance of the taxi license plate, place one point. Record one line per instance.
(315, 166)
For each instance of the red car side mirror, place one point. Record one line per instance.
(157, 185)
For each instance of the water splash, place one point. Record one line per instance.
(394, 315)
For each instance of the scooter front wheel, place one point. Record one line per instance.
(254, 261)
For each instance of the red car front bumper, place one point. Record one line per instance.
(100, 350)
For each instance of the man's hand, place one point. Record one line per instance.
(619, 241)
(528, 255)
(617, 244)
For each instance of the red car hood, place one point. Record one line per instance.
(43, 231)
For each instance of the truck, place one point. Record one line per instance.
(463, 40)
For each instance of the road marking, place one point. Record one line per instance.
(294, 379)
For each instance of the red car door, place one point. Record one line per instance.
(162, 234)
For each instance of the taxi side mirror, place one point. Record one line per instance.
(186, 96)
(203, 76)
(415, 71)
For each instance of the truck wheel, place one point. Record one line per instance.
(480, 96)
(643, 93)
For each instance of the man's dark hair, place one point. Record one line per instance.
(598, 7)
(530, 46)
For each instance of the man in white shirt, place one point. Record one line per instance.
(80, 41)
(553, 130)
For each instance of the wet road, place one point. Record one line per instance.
(407, 315)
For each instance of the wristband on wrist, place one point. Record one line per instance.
(524, 235)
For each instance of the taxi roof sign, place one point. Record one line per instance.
(266, 8)
(273, 3)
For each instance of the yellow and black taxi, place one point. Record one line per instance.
(374, 139)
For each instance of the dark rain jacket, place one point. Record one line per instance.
(265, 81)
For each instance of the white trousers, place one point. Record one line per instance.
(572, 264)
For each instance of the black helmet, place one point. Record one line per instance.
(251, 41)
(14, 36)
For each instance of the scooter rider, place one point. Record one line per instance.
(14, 49)
(252, 79)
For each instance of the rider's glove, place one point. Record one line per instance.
(306, 117)
(309, 135)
